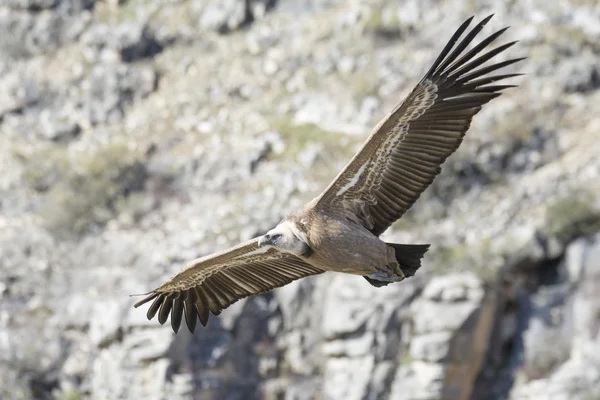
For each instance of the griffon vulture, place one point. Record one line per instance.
(339, 230)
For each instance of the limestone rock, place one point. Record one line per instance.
(452, 325)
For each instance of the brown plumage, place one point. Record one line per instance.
(339, 230)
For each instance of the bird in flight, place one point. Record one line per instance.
(339, 230)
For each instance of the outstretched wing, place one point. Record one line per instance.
(215, 282)
(404, 152)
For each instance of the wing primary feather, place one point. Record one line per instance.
(448, 47)
(474, 51)
(190, 314)
(146, 299)
(488, 69)
(493, 88)
(475, 83)
(462, 45)
(480, 60)
(466, 103)
(165, 308)
(201, 306)
(154, 308)
(176, 313)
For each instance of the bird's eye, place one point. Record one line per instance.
(276, 236)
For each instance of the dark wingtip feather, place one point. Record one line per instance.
(149, 296)
(476, 83)
(154, 308)
(492, 88)
(480, 60)
(202, 313)
(473, 52)
(165, 309)
(449, 46)
(201, 307)
(462, 45)
(486, 70)
(190, 315)
(176, 314)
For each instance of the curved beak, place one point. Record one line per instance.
(264, 240)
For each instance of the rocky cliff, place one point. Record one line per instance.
(138, 134)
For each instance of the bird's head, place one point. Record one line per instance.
(286, 237)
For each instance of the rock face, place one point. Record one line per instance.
(139, 135)
(564, 314)
(452, 322)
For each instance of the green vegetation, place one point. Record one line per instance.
(573, 216)
(70, 394)
(476, 258)
(107, 13)
(517, 128)
(297, 136)
(364, 82)
(374, 21)
(312, 78)
(82, 189)
(407, 359)
(383, 23)
(336, 148)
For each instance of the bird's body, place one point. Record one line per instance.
(347, 247)
(339, 230)
(339, 244)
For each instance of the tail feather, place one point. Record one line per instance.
(409, 256)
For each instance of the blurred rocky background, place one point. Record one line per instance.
(138, 134)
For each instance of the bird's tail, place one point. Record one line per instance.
(408, 257)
